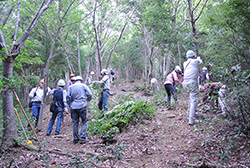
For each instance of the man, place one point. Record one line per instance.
(71, 81)
(36, 95)
(209, 90)
(79, 95)
(203, 76)
(105, 85)
(190, 83)
(59, 99)
(169, 84)
(90, 79)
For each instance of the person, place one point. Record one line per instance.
(203, 76)
(71, 80)
(69, 83)
(169, 84)
(105, 85)
(112, 75)
(90, 79)
(222, 99)
(209, 90)
(59, 99)
(79, 95)
(190, 83)
(36, 95)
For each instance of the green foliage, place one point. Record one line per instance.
(159, 99)
(117, 119)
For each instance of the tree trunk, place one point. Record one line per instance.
(78, 54)
(169, 58)
(9, 118)
(179, 52)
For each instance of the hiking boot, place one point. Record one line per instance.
(83, 141)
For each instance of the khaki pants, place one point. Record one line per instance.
(192, 87)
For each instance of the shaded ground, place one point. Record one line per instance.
(165, 141)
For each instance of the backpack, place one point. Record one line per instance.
(202, 77)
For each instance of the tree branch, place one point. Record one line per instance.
(17, 21)
(200, 11)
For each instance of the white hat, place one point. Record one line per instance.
(153, 80)
(177, 69)
(190, 54)
(104, 71)
(61, 82)
(92, 73)
(204, 69)
(78, 78)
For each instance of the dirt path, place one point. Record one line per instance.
(165, 141)
(161, 142)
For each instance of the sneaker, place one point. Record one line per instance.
(195, 122)
(83, 141)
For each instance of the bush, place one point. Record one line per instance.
(119, 118)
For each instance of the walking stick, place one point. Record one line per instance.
(26, 117)
(28, 141)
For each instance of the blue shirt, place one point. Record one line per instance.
(79, 95)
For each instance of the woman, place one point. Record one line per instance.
(169, 84)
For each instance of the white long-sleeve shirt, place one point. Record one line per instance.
(106, 81)
(39, 94)
(191, 71)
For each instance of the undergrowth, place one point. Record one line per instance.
(108, 124)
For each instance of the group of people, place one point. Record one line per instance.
(78, 95)
(76, 98)
(191, 80)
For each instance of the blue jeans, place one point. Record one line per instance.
(59, 113)
(76, 115)
(170, 90)
(36, 111)
(103, 103)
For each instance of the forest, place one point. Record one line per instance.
(139, 40)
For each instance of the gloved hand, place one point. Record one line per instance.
(35, 94)
(66, 110)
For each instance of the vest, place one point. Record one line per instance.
(58, 98)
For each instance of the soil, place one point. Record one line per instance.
(166, 140)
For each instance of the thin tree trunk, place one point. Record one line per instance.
(117, 41)
(179, 52)
(78, 53)
(169, 58)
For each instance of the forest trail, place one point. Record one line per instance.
(165, 141)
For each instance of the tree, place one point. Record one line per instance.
(192, 7)
(9, 56)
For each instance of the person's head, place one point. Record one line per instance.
(104, 72)
(204, 69)
(71, 76)
(61, 83)
(78, 78)
(41, 82)
(190, 54)
(92, 73)
(178, 69)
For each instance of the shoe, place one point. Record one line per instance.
(75, 141)
(83, 141)
(48, 134)
(195, 122)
